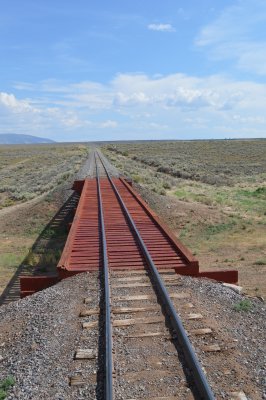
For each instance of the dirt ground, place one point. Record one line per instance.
(235, 250)
(26, 232)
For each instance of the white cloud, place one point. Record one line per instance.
(177, 90)
(238, 34)
(12, 104)
(161, 27)
(132, 99)
(137, 104)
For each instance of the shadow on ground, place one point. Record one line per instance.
(45, 253)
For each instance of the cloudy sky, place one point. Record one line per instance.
(142, 69)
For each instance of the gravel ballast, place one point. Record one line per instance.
(40, 334)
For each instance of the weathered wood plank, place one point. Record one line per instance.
(76, 380)
(137, 321)
(211, 348)
(140, 278)
(130, 272)
(85, 354)
(136, 297)
(194, 316)
(171, 277)
(181, 295)
(141, 272)
(90, 325)
(125, 310)
(89, 312)
(131, 285)
(176, 283)
(201, 331)
(188, 305)
(147, 334)
(131, 278)
(88, 300)
(144, 284)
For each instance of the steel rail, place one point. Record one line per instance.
(200, 379)
(108, 384)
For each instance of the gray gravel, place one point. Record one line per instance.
(86, 169)
(111, 168)
(145, 367)
(40, 334)
(240, 366)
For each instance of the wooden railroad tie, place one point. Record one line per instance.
(76, 380)
(139, 278)
(197, 332)
(147, 334)
(88, 300)
(201, 331)
(85, 354)
(211, 348)
(141, 272)
(127, 322)
(144, 284)
(88, 313)
(90, 325)
(188, 305)
(137, 321)
(194, 316)
(120, 310)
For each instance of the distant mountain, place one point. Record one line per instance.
(13, 138)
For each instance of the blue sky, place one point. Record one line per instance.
(119, 69)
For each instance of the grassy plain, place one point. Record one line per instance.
(33, 181)
(28, 171)
(212, 193)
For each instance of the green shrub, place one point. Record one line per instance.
(218, 228)
(243, 305)
(136, 178)
(2, 394)
(166, 185)
(260, 262)
(260, 191)
(6, 384)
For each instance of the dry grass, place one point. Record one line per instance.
(213, 194)
(213, 162)
(29, 171)
(26, 173)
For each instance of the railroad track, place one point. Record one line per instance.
(147, 353)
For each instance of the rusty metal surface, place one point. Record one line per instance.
(82, 249)
(163, 246)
